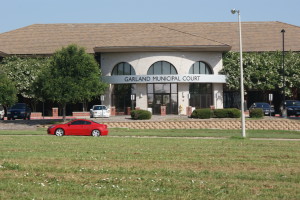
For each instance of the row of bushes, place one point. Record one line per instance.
(207, 113)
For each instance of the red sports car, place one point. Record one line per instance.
(79, 127)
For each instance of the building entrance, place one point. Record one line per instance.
(163, 95)
(165, 100)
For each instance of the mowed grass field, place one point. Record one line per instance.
(50, 167)
(177, 133)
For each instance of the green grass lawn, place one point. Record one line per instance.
(177, 133)
(35, 167)
(205, 133)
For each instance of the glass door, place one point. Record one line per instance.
(162, 95)
(157, 104)
(166, 102)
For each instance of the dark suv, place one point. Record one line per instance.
(19, 111)
(292, 107)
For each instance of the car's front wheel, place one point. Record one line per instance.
(59, 132)
(96, 133)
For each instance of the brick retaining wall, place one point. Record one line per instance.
(36, 114)
(80, 114)
(209, 124)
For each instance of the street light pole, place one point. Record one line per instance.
(233, 11)
(283, 75)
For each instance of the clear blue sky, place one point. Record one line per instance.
(19, 13)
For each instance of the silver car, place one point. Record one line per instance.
(99, 111)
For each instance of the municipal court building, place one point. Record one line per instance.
(155, 66)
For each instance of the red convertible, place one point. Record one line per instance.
(79, 127)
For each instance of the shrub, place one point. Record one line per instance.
(256, 113)
(220, 113)
(140, 114)
(202, 113)
(234, 113)
(227, 113)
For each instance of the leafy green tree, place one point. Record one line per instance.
(292, 69)
(23, 72)
(73, 76)
(8, 91)
(263, 71)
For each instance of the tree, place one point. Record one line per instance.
(8, 91)
(263, 71)
(23, 72)
(292, 68)
(73, 76)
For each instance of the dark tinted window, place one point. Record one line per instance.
(100, 108)
(293, 103)
(19, 106)
(78, 122)
(87, 123)
(262, 105)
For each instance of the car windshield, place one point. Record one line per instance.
(18, 106)
(262, 105)
(99, 108)
(293, 103)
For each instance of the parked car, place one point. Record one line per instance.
(99, 111)
(19, 111)
(267, 109)
(79, 127)
(292, 107)
(2, 112)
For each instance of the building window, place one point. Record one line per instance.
(121, 93)
(200, 68)
(164, 94)
(200, 93)
(123, 68)
(161, 68)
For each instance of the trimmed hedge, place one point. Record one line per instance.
(204, 113)
(140, 114)
(207, 113)
(227, 113)
(256, 113)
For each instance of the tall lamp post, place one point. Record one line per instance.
(283, 76)
(233, 11)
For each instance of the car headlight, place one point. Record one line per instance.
(290, 108)
(22, 112)
(51, 126)
(8, 112)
